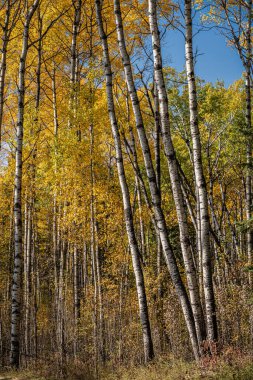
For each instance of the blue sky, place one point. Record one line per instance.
(215, 61)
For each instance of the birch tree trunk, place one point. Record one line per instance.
(158, 177)
(35, 275)
(139, 278)
(28, 283)
(249, 130)
(156, 201)
(3, 62)
(174, 176)
(76, 289)
(75, 29)
(16, 284)
(27, 275)
(77, 4)
(7, 28)
(61, 299)
(93, 247)
(244, 49)
(210, 307)
(56, 207)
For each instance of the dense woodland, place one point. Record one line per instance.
(125, 186)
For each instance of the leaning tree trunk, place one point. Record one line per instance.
(139, 278)
(156, 200)
(158, 181)
(200, 182)
(16, 285)
(174, 176)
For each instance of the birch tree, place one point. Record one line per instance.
(16, 284)
(156, 201)
(174, 176)
(234, 21)
(139, 278)
(201, 195)
(12, 10)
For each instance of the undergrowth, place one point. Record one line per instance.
(230, 365)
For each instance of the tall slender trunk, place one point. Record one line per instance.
(93, 250)
(73, 105)
(137, 186)
(157, 148)
(156, 201)
(75, 30)
(56, 208)
(174, 176)
(10, 21)
(35, 291)
(55, 111)
(60, 300)
(28, 280)
(16, 284)
(249, 134)
(101, 320)
(76, 286)
(74, 66)
(5, 38)
(142, 230)
(139, 278)
(85, 269)
(158, 177)
(25, 293)
(27, 275)
(200, 181)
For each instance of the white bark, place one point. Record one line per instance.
(143, 307)
(174, 176)
(249, 131)
(16, 285)
(156, 201)
(76, 289)
(3, 63)
(200, 182)
(7, 28)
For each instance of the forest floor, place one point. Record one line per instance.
(180, 370)
(238, 368)
(20, 376)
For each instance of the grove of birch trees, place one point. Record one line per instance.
(125, 186)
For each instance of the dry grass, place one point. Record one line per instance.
(17, 375)
(231, 365)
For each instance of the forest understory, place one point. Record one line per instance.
(228, 366)
(126, 200)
